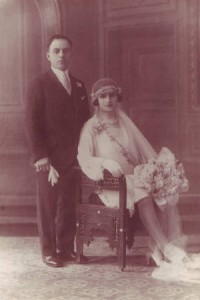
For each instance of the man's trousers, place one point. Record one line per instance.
(56, 212)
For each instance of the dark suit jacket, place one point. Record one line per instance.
(54, 119)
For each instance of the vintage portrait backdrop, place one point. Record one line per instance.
(150, 47)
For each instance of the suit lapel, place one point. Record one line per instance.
(74, 94)
(55, 79)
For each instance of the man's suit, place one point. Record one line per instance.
(54, 121)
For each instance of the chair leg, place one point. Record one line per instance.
(79, 244)
(121, 251)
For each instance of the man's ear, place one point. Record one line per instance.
(48, 57)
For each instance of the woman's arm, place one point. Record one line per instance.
(90, 165)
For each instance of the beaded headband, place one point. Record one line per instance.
(105, 90)
(104, 86)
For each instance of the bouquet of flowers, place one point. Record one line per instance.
(163, 177)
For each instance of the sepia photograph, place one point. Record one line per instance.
(100, 150)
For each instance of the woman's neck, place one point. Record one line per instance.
(107, 116)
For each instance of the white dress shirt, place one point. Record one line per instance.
(63, 77)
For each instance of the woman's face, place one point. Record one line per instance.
(108, 102)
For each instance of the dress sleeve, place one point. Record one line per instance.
(90, 164)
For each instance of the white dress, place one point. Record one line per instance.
(121, 142)
(125, 144)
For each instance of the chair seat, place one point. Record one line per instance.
(96, 213)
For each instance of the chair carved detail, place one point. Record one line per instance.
(91, 218)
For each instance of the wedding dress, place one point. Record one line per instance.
(122, 142)
(186, 269)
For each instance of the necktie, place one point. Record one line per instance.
(66, 83)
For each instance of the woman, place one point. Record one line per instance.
(110, 141)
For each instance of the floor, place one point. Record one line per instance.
(23, 276)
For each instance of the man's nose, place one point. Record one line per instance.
(61, 53)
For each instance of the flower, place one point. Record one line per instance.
(98, 127)
(164, 177)
(143, 175)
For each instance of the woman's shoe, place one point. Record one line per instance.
(174, 254)
(151, 262)
(155, 258)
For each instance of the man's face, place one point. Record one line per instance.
(59, 54)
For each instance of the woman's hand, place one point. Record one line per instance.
(113, 167)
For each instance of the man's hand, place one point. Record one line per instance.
(42, 165)
(53, 176)
(113, 167)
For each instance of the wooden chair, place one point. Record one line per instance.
(91, 217)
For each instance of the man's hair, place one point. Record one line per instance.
(58, 37)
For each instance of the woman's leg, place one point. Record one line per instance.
(151, 222)
(171, 225)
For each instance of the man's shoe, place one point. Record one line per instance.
(84, 259)
(71, 256)
(52, 262)
(65, 256)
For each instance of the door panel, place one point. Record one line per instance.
(145, 66)
(151, 48)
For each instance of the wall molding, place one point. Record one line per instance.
(50, 17)
(129, 8)
(193, 55)
(11, 85)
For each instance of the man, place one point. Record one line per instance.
(57, 107)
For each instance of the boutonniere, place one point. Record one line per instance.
(79, 84)
(82, 98)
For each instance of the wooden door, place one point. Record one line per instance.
(151, 49)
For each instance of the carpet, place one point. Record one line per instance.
(23, 275)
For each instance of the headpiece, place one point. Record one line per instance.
(103, 86)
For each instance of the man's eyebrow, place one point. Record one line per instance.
(61, 48)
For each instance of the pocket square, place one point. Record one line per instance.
(79, 84)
